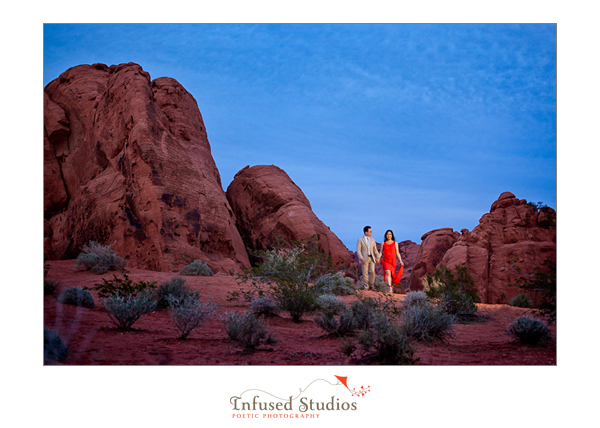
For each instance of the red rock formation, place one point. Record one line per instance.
(128, 163)
(409, 252)
(267, 204)
(431, 252)
(513, 233)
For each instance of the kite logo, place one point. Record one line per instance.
(362, 391)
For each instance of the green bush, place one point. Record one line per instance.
(98, 258)
(530, 331)
(426, 322)
(385, 342)
(50, 287)
(337, 284)
(197, 268)
(125, 310)
(174, 289)
(289, 275)
(123, 286)
(458, 304)
(542, 281)
(263, 305)
(246, 330)
(454, 294)
(521, 300)
(54, 347)
(189, 313)
(78, 297)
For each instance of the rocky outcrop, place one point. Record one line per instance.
(431, 252)
(514, 234)
(268, 204)
(127, 162)
(409, 252)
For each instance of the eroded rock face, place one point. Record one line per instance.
(431, 252)
(267, 204)
(128, 164)
(409, 252)
(513, 234)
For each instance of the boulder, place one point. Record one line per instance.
(267, 204)
(136, 172)
(431, 252)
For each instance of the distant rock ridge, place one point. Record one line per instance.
(513, 234)
(267, 204)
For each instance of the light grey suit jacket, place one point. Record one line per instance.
(362, 249)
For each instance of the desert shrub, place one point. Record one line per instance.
(426, 322)
(363, 311)
(197, 268)
(384, 342)
(364, 307)
(246, 330)
(458, 304)
(123, 286)
(521, 300)
(340, 323)
(189, 313)
(125, 310)
(542, 281)
(50, 287)
(263, 305)
(98, 258)
(54, 347)
(78, 297)
(454, 294)
(336, 283)
(289, 275)
(331, 304)
(415, 298)
(530, 331)
(174, 289)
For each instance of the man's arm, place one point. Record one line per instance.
(358, 251)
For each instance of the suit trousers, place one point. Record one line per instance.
(368, 271)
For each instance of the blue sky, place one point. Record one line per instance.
(406, 127)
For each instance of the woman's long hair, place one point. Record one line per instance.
(385, 235)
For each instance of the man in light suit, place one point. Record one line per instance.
(366, 248)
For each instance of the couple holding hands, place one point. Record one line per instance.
(366, 248)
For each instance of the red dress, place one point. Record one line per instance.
(389, 261)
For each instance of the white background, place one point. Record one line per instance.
(37, 395)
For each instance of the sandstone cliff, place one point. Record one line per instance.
(127, 162)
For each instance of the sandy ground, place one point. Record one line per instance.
(92, 339)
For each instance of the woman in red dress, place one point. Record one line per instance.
(389, 251)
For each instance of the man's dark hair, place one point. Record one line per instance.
(366, 229)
